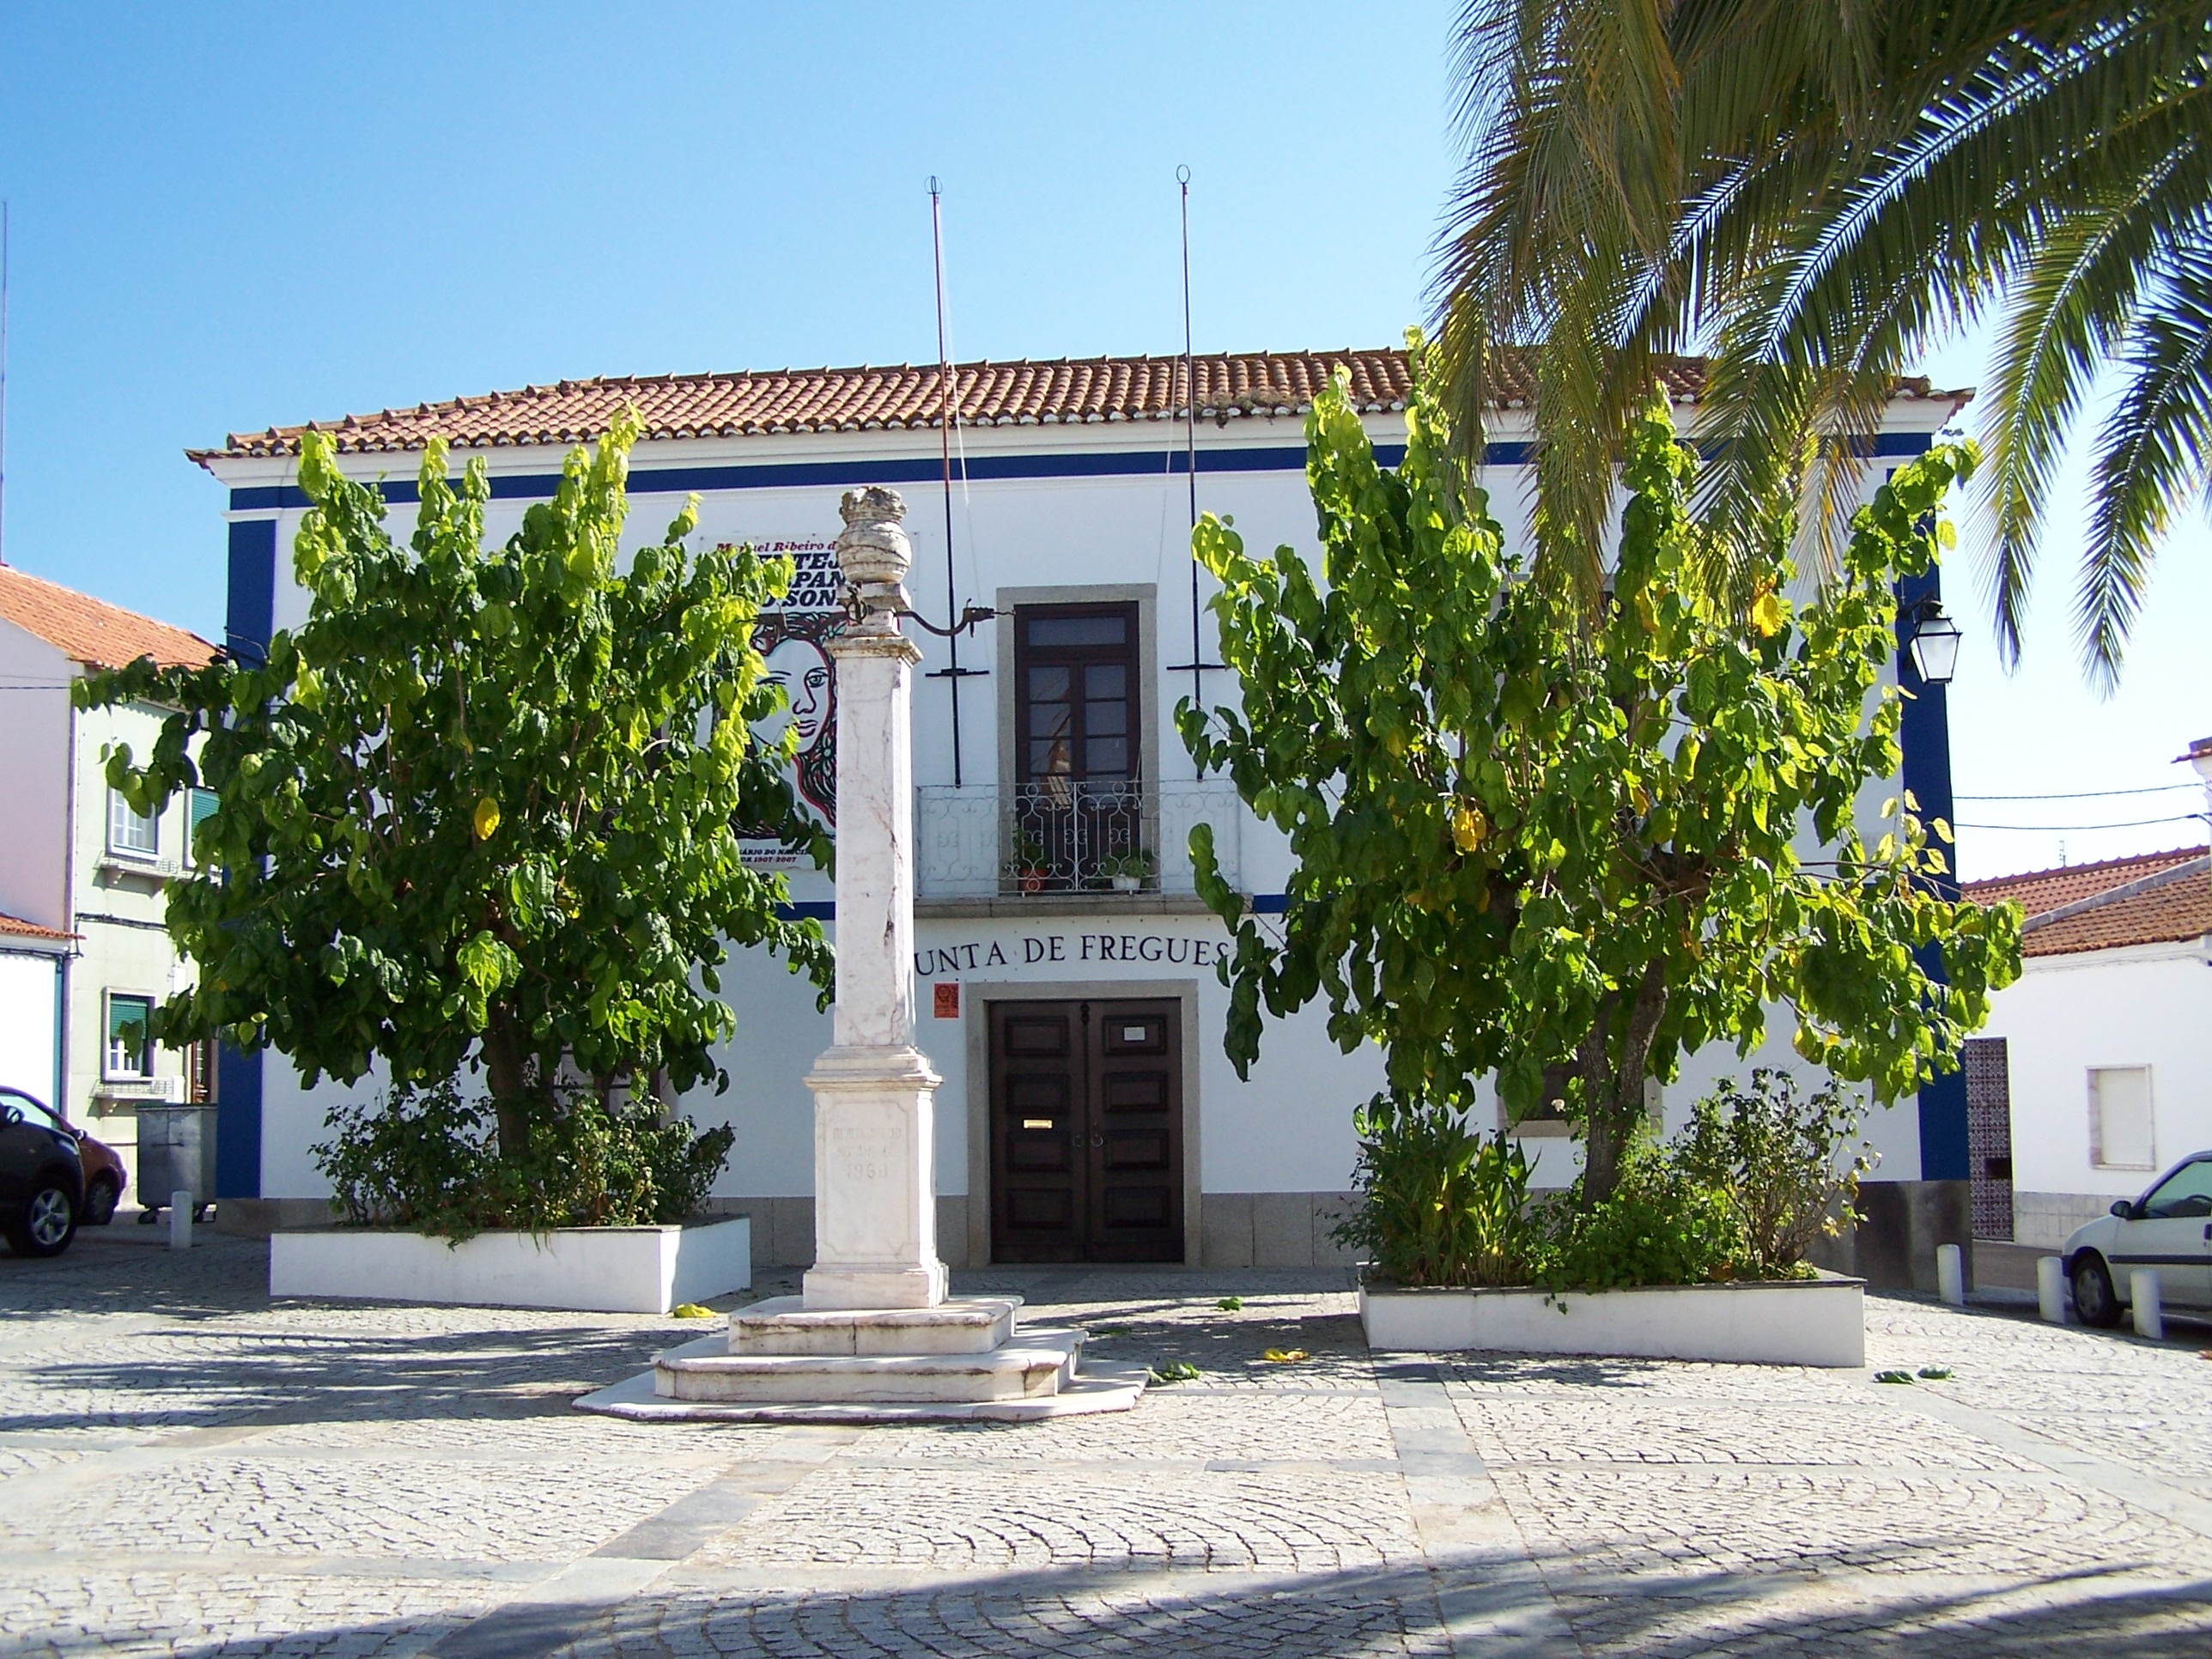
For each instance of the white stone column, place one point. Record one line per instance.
(875, 1186)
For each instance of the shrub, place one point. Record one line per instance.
(1780, 1160)
(1662, 1225)
(429, 1160)
(1439, 1203)
(1741, 1193)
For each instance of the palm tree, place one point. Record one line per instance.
(1814, 191)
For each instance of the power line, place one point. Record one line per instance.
(2086, 794)
(2041, 828)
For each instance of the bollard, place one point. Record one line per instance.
(2050, 1288)
(2142, 1292)
(180, 1221)
(1951, 1274)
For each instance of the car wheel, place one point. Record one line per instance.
(48, 1221)
(100, 1201)
(2094, 1296)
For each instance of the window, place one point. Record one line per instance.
(18, 1107)
(1080, 819)
(1549, 1120)
(2119, 1118)
(129, 1050)
(2184, 1195)
(45, 1116)
(200, 807)
(1076, 666)
(138, 834)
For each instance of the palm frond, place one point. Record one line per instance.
(2152, 453)
(2068, 313)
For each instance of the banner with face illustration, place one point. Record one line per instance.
(792, 639)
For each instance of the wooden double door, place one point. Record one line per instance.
(1086, 1131)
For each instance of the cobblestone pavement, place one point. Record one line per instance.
(188, 1468)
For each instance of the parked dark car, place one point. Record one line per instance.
(105, 1178)
(41, 1176)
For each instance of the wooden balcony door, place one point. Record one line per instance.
(1077, 815)
(1086, 1131)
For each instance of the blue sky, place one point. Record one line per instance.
(227, 218)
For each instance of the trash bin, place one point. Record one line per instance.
(176, 1153)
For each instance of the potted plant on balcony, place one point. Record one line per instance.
(1130, 872)
(1028, 863)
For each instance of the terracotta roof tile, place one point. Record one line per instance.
(93, 631)
(17, 927)
(2165, 913)
(1078, 390)
(2038, 890)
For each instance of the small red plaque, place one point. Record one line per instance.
(944, 999)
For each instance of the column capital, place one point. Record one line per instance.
(872, 550)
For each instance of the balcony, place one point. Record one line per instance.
(1075, 842)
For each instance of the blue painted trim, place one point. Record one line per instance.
(1906, 444)
(1264, 904)
(60, 1095)
(789, 475)
(237, 1124)
(1925, 736)
(981, 469)
(251, 615)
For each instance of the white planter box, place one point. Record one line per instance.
(1813, 1322)
(581, 1269)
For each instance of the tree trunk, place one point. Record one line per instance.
(1613, 1086)
(1603, 1142)
(510, 1099)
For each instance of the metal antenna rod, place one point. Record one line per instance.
(1198, 665)
(1190, 444)
(944, 445)
(3, 383)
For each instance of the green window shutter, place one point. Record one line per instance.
(200, 808)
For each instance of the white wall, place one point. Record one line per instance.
(2145, 1005)
(292, 1120)
(28, 987)
(34, 766)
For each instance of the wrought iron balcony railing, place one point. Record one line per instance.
(1062, 836)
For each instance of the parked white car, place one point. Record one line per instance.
(2168, 1228)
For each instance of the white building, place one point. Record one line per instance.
(2095, 1071)
(1087, 1110)
(32, 961)
(83, 877)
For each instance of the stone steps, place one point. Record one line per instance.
(1038, 1364)
(1100, 1388)
(784, 1325)
(961, 1359)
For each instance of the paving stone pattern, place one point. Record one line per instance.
(187, 1468)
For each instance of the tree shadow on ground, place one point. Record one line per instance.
(120, 1269)
(301, 1377)
(1078, 1614)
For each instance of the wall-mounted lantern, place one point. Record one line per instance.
(1933, 643)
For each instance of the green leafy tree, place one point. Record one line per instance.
(478, 809)
(1820, 193)
(1520, 842)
